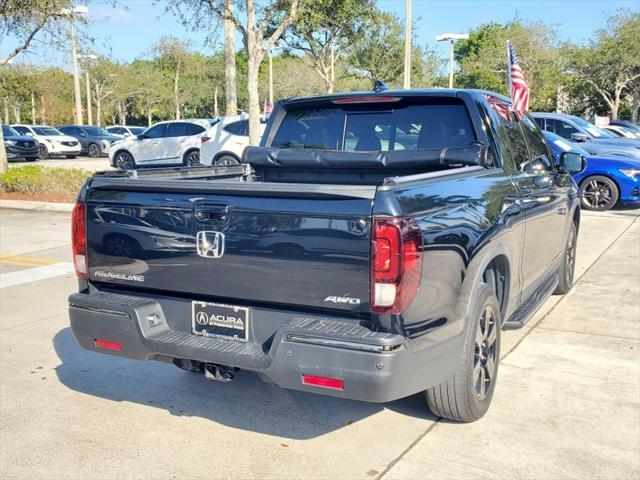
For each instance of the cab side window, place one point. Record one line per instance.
(561, 128)
(539, 155)
(22, 130)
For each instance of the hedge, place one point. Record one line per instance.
(38, 180)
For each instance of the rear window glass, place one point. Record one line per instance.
(387, 126)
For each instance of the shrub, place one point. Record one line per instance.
(38, 180)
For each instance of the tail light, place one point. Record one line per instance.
(79, 240)
(396, 263)
(203, 139)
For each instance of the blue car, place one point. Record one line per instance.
(605, 181)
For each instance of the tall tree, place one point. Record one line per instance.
(261, 27)
(610, 63)
(325, 27)
(172, 53)
(231, 107)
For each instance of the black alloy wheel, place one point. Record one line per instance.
(124, 161)
(43, 153)
(598, 193)
(192, 158)
(484, 358)
(227, 160)
(94, 150)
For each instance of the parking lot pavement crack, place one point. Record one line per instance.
(393, 462)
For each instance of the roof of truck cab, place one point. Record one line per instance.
(432, 92)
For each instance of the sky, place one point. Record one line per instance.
(130, 29)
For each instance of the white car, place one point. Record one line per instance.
(225, 142)
(619, 131)
(51, 142)
(125, 130)
(165, 143)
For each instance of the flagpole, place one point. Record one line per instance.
(509, 69)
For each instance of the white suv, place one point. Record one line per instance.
(51, 142)
(165, 143)
(225, 142)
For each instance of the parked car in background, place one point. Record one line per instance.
(626, 124)
(620, 131)
(125, 130)
(19, 146)
(605, 181)
(51, 142)
(94, 141)
(165, 143)
(594, 140)
(224, 142)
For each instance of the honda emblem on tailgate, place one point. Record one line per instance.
(210, 244)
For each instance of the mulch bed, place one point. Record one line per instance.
(56, 198)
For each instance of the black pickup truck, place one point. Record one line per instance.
(374, 246)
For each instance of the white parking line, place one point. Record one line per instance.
(34, 274)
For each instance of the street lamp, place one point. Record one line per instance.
(71, 12)
(451, 37)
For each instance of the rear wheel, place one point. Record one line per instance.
(124, 161)
(31, 159)
(192, 158)
(227, 160)
(598, 193)
(94, 150)
(467, 394)
(43, 153)
(71, 156)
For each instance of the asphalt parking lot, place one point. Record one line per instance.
(567, 403)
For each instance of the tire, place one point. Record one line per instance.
(227, 160)
(93, 150)
(43, 153)
(568, 265)
(31, 159)
(466, 395)
(191, 158)
(71, 156)
(598, 193)
(124, 161)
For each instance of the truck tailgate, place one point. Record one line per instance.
(246, 247)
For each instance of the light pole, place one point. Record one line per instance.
(407, 47)
(451, 37)
(70, 12)
(271, 73)
(86, 74)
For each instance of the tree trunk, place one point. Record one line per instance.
(175, 90)
(149, 117)
(33, 109)
(4, 164)
(42, 110)
(231, 96)
(98, 111)
(17, 107)
(215, 102)
(635, 108)
(5, 101)
(615, 106)
(254, 58)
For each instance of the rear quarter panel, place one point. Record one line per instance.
(466, 220)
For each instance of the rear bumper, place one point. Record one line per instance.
(374, 366)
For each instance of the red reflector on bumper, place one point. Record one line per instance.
(107, 345)
(323, 382)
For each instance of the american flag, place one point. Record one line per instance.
(517, 85)
(268, 108)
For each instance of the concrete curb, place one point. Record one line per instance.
(36, 206)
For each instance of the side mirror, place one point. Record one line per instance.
(579, 137)
(571, 162)
(29, 134)
(83, 134)
(126, 134)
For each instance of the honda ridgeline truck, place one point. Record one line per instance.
(373, 246)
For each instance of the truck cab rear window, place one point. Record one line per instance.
(373, 127)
